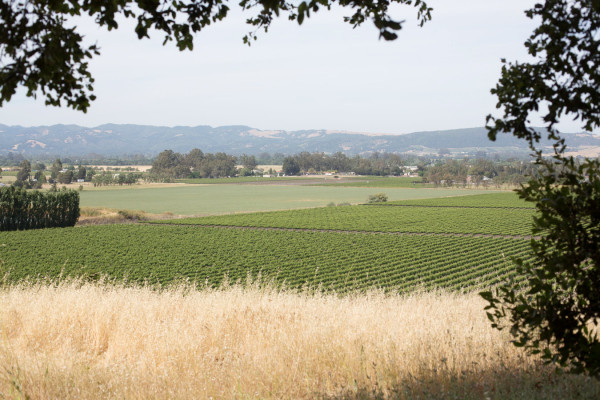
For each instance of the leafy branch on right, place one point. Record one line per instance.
(553, 310)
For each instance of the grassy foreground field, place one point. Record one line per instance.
(99, 341)
(288, 308)
(231, 198)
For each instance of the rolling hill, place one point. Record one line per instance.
(113, 139)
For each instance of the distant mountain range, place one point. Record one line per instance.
(115, 140)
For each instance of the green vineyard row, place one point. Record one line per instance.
(491, 200)
(492, 221)
(332, 261)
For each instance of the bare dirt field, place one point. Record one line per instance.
(585, 151)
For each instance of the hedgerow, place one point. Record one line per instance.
(21, 209)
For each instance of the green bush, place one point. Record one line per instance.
(132, 215)
(377, 198)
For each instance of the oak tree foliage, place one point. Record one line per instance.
(290, 166)
(42, 50)
(556, 309)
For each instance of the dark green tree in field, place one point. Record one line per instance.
(24, 172)
(81, 172)
(194, 159)
(556, 311)
(65, 177)
(167, 160)
(55, 169)
(290, 166)
(249, 162)
(41, 49)
(171, 164)
(377, 198)
(40, 179)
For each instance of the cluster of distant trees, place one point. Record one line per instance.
(125, 159)
(441, 172)
(30, 176)
(479, 172)
(170, 165)
(12, 159)
(111, 178)
(374, 164)
(34, 176)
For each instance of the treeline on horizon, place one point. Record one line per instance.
(170, 165)
(197, 164)
(13, 159)
(441, 170)
(264, 158)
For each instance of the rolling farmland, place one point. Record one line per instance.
(413, 219)
(107, 333)
(492, 200)
(343, 262)
(189, 199)
(335, 248)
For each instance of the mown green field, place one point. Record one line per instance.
(373, 256)
(222, 199)
(8, 179)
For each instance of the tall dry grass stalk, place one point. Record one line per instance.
(80, 340)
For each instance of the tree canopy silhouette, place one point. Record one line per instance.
(40, 52)
(556, 310)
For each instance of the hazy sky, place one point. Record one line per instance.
(322, 74)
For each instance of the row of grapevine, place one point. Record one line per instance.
(491, 221)
(488, 200)
(21, 209)
(332, 261)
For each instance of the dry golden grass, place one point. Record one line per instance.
(103, 215)
(97, 341)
